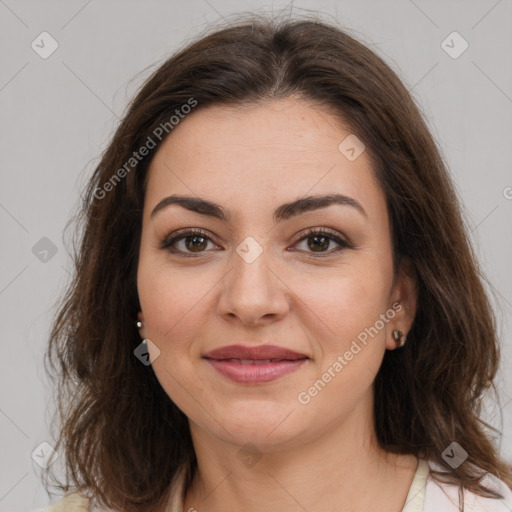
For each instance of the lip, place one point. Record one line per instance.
(258, 352)
(253, 365)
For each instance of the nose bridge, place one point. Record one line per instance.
(252, 263)
(251, 289)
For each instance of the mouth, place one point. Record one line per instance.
(257, 353)
(254, 361)
(254, 365)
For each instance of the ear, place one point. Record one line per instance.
(404, 296)
(142, 330)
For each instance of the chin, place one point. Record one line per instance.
(265, 424)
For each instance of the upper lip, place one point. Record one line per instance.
(260, 352)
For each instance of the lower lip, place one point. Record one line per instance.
(255, 373)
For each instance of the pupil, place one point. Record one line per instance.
(196, 238)
(322, 246)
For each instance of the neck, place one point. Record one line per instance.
(342, 469)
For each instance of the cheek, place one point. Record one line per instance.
(349, 346)
(171, 298)
(343, 301)
(172, 302)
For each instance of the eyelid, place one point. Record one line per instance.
(334, 233)
(339, 238)
(183, 233)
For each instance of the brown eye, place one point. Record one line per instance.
(195, 243)
(186, 242)
(319, 240)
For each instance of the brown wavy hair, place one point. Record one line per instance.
(123, 437)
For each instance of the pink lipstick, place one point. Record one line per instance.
(254, 365)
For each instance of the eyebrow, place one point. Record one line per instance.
(283, 212)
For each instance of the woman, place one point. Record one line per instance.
(276, 306)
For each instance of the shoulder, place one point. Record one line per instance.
(73, 502)
(447, 497)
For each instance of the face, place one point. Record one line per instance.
(314, 278)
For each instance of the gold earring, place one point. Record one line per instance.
(398, 337)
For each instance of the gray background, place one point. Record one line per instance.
(58, 113)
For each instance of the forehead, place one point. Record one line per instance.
(249, 157)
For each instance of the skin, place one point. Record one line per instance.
(250, 160)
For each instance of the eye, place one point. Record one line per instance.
(319, 239)
(195, 241)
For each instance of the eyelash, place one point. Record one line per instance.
(170, 240)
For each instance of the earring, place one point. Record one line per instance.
(397, 336)
(139, 325)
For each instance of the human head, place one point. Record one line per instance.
(241, 65)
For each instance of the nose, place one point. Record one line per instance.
(253, 292)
